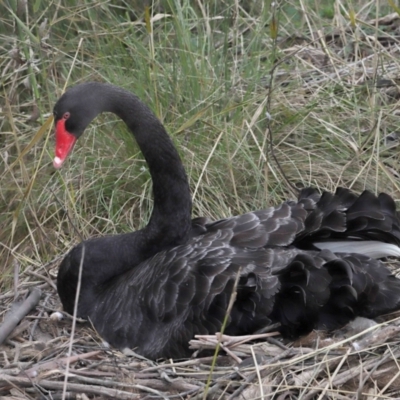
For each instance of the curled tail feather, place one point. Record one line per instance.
(329, 290)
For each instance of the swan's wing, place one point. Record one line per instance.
(162, 303)
(352, 285)
(346, 215)
(188, 289)
(300, 289)
(339, 216)
(185, 292)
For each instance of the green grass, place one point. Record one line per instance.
(205, 70)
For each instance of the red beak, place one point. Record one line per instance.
(64, 143)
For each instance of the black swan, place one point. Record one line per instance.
(310, 263)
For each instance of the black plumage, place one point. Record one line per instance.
(154, 289)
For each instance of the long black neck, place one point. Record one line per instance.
(170, 220)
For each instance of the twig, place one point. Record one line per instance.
(14, 317)
(78, 290)
(269, 99)
(34, 371)
(44, 278)
(40, 316)
(187, 363)
(16, 278)
(73, 387)
(228, 313)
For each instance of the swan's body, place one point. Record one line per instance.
(154, 289)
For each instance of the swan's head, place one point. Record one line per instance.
(73, 112)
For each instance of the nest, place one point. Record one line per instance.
(42, 359)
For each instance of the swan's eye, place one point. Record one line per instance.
(66, 115)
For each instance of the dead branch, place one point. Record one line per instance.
(17, 313)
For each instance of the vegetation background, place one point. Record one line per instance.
(205, 69)
(320, 76)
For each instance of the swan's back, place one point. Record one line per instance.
(158, 306)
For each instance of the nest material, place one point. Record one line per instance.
(39, 361)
